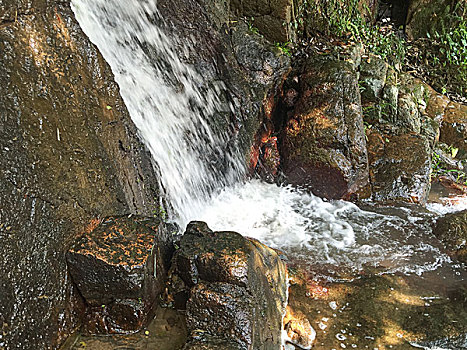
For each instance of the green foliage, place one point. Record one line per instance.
(344, 19)
(251, 26)
(160, 212)
(448, 50)
(284, 48)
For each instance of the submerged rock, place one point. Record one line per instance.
(120, 268)
(451, 229)
(237, 286)
(386, 311)
(323, 144)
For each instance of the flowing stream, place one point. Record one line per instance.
(171, 106)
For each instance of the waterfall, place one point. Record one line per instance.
(166, 99)
(175, 114)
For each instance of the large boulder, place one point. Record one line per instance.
(451, 229)
(454, 127)
(323, 143)
(120, 268)
(237, 289)
(69, 153)
(400, 166)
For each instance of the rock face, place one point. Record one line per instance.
(237, 287)
(323, 144)
(454, 127)
(424, 15)
(451, 229)
(120, 268)
(372, 77)
(69, 153)
(400, 167)
(271, 18)
(402, 119)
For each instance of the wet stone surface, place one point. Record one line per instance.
(69, 153)
(452, 231)
(383, 311)
(237, 289)
(120, 268)
(167, 331)
(323, 144)
(400, 166)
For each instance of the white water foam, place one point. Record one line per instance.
(172, 112)
(334, 234)
(448, 205)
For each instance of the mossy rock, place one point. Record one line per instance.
(452, 231)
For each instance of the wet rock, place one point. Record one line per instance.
(372, 77)
(298, 329)
(269, 160)
(407, 113)
(395, 172)
(248, 67)
(120, 268)
(451, 229)
(454, 127)
(323, 144)
(69, 153)
(221, 308)
(166, 331)
(271, 18)
(207, 342)
(237, 287)
(382, 311)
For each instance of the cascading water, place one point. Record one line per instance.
(172, 108)
(165, 99)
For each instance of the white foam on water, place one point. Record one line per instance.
(334, 233)
(448, 205)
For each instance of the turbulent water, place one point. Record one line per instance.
(171, 106)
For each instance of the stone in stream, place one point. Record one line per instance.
(400, 166)
(237, 288)
(298, 329)
(120, 268)
(323, 145)
(451, 229)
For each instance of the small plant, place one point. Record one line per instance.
(251, 26)
(159, 213)
(284, 48)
